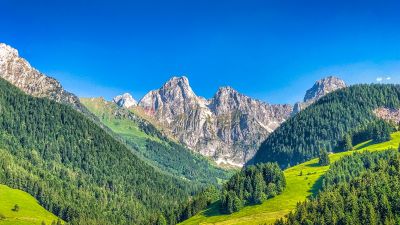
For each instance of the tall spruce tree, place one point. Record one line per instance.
(323, 158)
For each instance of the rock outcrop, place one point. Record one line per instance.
(388, 114)
(125, 100)
(318, 90)
(20, 73)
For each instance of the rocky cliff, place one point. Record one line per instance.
(228, 127)
(20, 73)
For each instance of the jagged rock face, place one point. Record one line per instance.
(126, 101)
(20, 73)
(229, 127)
(323, 87)
(320, 89)
(388, 114)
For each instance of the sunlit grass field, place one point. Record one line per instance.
(302, 180)
(29, 213)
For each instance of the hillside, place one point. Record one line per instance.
(29, 213)
(359, 189)
(323, 124)
(77, 170)
(152, 145)
(298, 188)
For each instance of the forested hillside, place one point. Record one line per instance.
(359, 189)
(149, 143)
(323, 124)
(75, 169)
(302, 182)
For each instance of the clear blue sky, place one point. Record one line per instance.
(270, 50)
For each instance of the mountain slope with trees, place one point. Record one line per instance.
(155, 147)
(359, 189)
(302, 181)
(77, 170)
(323, 124)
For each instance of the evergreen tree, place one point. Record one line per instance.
(161, 220)
(348, 145)
(323, 158)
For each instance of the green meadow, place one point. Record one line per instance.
(302, 180)
(29, 213)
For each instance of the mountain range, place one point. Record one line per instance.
(230, 126)
(93, 161)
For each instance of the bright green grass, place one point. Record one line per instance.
(297, 190)
(30, 212)
(128, 129)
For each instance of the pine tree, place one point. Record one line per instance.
(348, 144)
(161, 220)
(323, 158)
(259, 189)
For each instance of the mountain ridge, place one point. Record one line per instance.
(229, 126)
(20, 73)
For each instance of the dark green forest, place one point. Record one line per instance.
(377, 131)
(77, 170)
(252, 185)
(324, 123)
(358, 189)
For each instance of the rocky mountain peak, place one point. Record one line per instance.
(227, 99)
(7, 52)
(323, 87)
(175, 92)
(20, 73)
(228, 127)
(226, 91)
(318, 90)
(125, 100)
(177, 88)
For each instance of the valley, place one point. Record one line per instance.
(155, 147)
(165, 158)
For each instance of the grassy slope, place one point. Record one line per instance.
(297, 190)
(127, 129)
(30, 212)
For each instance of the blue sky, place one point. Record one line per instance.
(270, 50)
